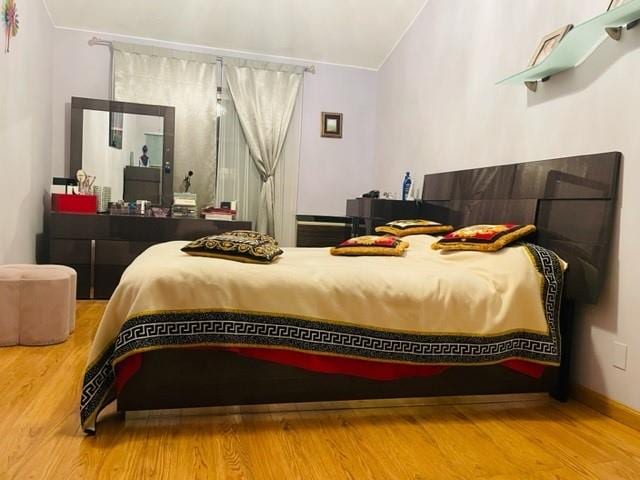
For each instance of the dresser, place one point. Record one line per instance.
(100, 247)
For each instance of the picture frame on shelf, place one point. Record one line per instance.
(331, 125)
(615, 3)
(548, 44)
(616, 32)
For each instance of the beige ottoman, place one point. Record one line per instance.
(37, 304)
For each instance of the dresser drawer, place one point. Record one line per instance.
(118, 252)
(70, 252)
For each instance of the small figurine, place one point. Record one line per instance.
(144, 158)
(186, 183)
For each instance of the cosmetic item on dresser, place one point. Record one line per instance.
(63, 185)
(62, 202)
(142, 207)
(406, 187)
(85, 182)
(60, 189)
(184, 205)
(230, 204)
(159, 212)
(121, 208)
(103, 196)
(222, 213)
(100, 247)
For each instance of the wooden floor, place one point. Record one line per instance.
(40, 435)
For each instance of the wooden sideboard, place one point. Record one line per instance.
(100, 247)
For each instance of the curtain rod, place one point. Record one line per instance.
(105, 43)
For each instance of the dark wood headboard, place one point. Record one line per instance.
(571, 200)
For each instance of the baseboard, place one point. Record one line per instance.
(604, 405)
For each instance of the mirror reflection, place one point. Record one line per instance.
(124, 151)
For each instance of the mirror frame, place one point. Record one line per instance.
(79, 105)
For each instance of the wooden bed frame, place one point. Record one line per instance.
(572, 201)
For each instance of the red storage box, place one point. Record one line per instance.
(63, 202)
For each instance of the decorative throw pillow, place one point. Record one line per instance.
(402, 228)
(239, 245)
(388, 245)
(484, 238)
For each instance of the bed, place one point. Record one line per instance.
(184, 331)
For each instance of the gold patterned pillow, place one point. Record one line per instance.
(371, 245)
(483, 238)
(238, 245)
(402, 228)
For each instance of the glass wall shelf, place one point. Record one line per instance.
(578, 44)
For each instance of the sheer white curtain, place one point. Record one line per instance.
(188, 82)
(265, 97)
(238, 179)
(286, 185)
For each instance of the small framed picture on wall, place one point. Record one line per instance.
(331, 125)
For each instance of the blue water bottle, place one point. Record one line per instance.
(406, 186)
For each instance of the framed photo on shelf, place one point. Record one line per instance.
(615, 3)
(331, 125)
(547, 44)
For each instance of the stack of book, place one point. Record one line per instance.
(219, 214)
(184, 205)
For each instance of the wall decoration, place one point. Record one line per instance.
(547, 44)
(569, 47)
(615, 3)
(10, 20)
(616, 32)
(331, 125)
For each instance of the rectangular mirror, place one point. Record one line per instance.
(126, 146)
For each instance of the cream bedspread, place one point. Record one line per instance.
(462, 295)
(425, 291)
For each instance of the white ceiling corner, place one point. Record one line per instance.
(345, 32)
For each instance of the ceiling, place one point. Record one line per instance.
(346, 32)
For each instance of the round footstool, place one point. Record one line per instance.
(37, 304)
(9, 306)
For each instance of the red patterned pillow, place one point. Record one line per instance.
(484, 238)
(388, 245)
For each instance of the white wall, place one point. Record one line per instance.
(330, 170)
(439, 109)
(334, 169)
(25, 133)
(79, 71)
